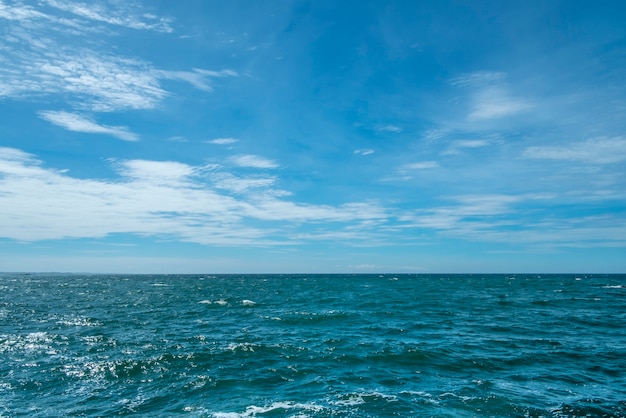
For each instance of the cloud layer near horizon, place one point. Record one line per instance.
(160, 198)
(210, 205)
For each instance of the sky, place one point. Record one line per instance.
(322, 136)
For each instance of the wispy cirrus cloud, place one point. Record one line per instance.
(494, 102)
(461, 145)
(222, 141)
(366, 151)
(479, 78)
(38, 62)
(595, 151)
(490, 97)
(470, 143)
(121, 15)
(238, 184)
(422, 165)
(406, 172)
(197, 77)
(252, 161)
(389, 128)
(513, 219)
(94, 81)
(78, 123)
(77, 15)
(20, 12)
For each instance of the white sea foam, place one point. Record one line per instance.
(273, 409)
(360, 398)
(423, 396)
(77, 321)
(206, 302)
(247, 302)
(351, 400)
(29, 343)
(241, 347)
(221, 302)
(197, 410)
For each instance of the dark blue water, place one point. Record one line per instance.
(313, 346)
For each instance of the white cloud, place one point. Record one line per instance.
(197, 78)
(222, 141)
(78, 123)
(156, 198)
(253, 161)
(471, 143)
(37, 62)
(90, 80)
(120, 17)
(596, 151)
(423, 165)
(435, 135)
(364, 151)
(19, 12)
(156, 172)
(506, 219)
(236, 184)
(491, 103)
(389, 128)
(479, 78)
(458, 146)
(407, 171)
(490, 97)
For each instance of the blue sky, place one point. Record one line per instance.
(313, 136)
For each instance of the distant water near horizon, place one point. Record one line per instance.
(313, 345)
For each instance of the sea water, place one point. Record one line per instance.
(313, 345)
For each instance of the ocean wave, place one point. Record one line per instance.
(275, 408)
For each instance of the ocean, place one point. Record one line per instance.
(312, 345)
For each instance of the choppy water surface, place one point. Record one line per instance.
(312, 346)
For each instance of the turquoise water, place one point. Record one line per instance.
(313, 346)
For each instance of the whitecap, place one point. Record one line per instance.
(206, 302)
(351, 400)
(77, 321)
(247, 302)
(221, 302)
(241, 347)
(274, 409)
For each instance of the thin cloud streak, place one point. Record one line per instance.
(422, 165)
(197, 78)
(252, 161)
(222, 141)
(78, 123)
(490, 97)
(595, 151)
